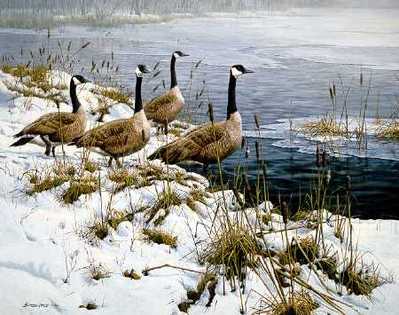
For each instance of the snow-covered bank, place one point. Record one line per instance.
(42, 243)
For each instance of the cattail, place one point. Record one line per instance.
(155, 88)
(112, 55)
(247, 152)
(164, 84)
(264, 170)
(285, 212)
(210, 112)
(48, 32)
(257, 150)
(85, 45)
(334, 90)
(156, 74)
(256, 118)
(242, 143)
(200, 104)
(198, 64)
(361, 78)
(331, 94)
(156, 65)
(348, 183)
(324, 158)
(93, 66)
(318, 156)
(69, 45)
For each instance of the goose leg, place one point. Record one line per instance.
(110, 161)
(166, 129)
(48, 145)
(118, 163)
(53, 151)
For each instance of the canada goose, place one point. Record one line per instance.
(121, 137)
(59, 127)
(164, 109)
(211, 142)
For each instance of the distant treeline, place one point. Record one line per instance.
(107, 7)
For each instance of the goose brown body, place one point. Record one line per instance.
(120, 137)
(211, 142)
(165, 108)
(206, 144)
(58, 127)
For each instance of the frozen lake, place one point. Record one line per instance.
(296, 56)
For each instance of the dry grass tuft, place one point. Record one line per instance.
(116, 95)
(389, 130)
(299, 303)
(160, 237)
(325, 127)
(79, 187)
(166, 199)
(304, 251)
(233, 247)
(98, 271)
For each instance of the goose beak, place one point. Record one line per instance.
(184, 55)
(146, 70)
(249, 71)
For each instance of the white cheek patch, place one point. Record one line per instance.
(76, 81)
(176, 55)
(236, 73)
(138, 72)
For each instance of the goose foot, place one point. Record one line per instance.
(53, 151)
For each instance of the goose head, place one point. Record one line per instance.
(78, 80)
(238, 70)
(179, 54)
(141, 70)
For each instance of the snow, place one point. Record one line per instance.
(289, 133)
(40, 234)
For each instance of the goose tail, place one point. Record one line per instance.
(22, 141)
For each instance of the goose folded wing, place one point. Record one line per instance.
(156, 103)
(50, 123)
(108, 134)
(194, 142)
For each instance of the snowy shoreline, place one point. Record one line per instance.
(40, 233)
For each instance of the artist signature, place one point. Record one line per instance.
(41, 305)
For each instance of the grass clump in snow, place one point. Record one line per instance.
(389, 130)
(125, 179)
(325, 127)
(166, 199)
(98, 271)
(160, 237)
(89, 306)
(79, 187)
(90, 166)
(233, 247)
(51, 178)
(196, 195)
(116, 95)
(131, 274)
(363, 279)
(208, 280)
(304, 251)
(298, 303)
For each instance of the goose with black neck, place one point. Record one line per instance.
(211, 142)
(165, 108)
(121, 137)
(58, 127)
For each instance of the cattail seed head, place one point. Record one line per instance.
(257, 150)
(285, 212)
(256, 118)
(242, 143)
(210, 112)
(348, 183)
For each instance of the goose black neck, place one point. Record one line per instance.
(173, 79)
(74, 97)
(138, 101)
(231, 105)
